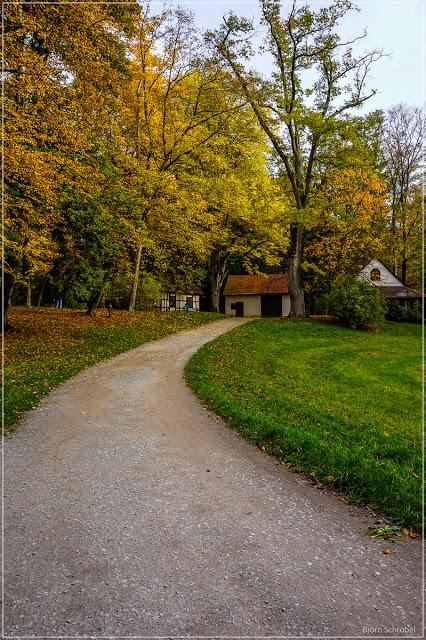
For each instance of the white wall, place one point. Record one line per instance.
(252, 305)
(286, 305)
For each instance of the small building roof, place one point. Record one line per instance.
(183, 292)
(402, 292)
(256, 285)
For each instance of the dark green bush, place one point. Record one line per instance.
(396, 311)
(415, 312)
(358, 305)
(320, 305)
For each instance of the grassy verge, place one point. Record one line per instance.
(48, 346)
(340, 405)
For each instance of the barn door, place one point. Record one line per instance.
(239, 309)
(272, 306)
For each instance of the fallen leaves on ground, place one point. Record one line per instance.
(47, 346)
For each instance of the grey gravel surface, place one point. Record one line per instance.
(131, 510)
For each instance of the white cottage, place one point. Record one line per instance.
(378, 274)
(257, 296)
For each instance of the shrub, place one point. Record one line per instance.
(358, 305)
(415, 312)
(320, 304)
(396, 311)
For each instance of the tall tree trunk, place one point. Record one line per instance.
(40, 295)
(8, 283)
(295, 289)
(28, 300)
(218, 275)
(101, 292)
(91, 306)
(134, 294)
(216, 285)
(132, 302)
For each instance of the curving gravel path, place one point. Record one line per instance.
(130, 510)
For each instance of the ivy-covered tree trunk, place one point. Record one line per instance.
(96, 299)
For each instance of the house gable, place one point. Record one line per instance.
(375, 272)
(388, 284)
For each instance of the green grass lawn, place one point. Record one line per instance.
(48, 346)
(342, 406)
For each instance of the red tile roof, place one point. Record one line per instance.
(256, 285)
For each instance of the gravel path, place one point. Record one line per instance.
(132, 511)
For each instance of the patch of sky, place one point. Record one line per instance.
(395, 27)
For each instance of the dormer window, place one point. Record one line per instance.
(375, 275)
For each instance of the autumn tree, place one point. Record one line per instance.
(298, 115)
(349, 212)
(96, 234)
(62, 64)
(177, 104)
(404, 164)
(350, 227)
(366, 143)
(248, 213)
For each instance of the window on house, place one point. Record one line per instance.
(189, 301)
(172, 300)
(375, 275)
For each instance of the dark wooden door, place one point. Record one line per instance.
(272, 306)
(239, 309)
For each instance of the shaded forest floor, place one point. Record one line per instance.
(342, 406)
(47, 346)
